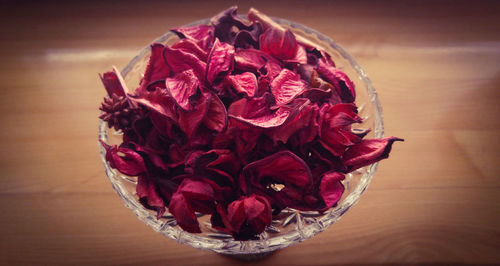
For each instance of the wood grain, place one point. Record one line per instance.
(434, 65)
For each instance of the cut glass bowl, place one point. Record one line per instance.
(291, 226)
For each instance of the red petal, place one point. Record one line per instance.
(183, 213)
(278, 43)
(216, 118)
(157, 68)
(258, 212)
(190, 46)
(202, 34)
(253, 60)
(146, 190)
(331, 189)
(189, 121)
(286, 86)
(244, 83)
(180, 60)
(199, 195)
(113, 83)
(130, 163)
(367, 152)
(301, 120)
(339, 80)
(220, 61)
(236, 214)
(158, 101)
(275, 119)
(182, 87)
(283, 166)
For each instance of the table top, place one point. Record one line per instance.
(435, 66)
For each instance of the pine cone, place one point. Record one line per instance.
(118, 112)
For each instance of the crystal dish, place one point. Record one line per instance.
(290, 226)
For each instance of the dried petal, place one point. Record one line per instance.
(157, 68)
(286, 86)
(367, 152)
(220, 61)
(183, 213)
(180, 60)
(245, 83)
(331, 188)
(216, 118)
(182, 87)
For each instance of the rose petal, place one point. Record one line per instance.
(180, 60)
(245, 83)
(201, 34)
(220, 61)
(331, 189)
(189, 121)
(159, 101)
(182, 87)
(216, 118)
(157, 68)
(148, 195)
(124, 160)
(253, 60)
(367, 152)
(341, 82)
(189, 46)
(286, 86)
(183, 213)
(278, 43)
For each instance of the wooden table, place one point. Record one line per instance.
(435, 66)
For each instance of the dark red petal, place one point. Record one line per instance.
(158, 101)
(180, 60)
(183, 213)
(130, 163)
(157, 68)
(339, 80)
(236, 214)
(189, 121)
(244, 83)
(220, 61)
(367, 152)
(202, 34)
(182, 87)
(283, 166)
(190, 46)
(253, 60)
(113, 83)
(275, 119)
(258, 212)
(216, 118)
(301, 120)
(146, 191)
(278, 43)
(300, 56)
(199, 195)
(331, 188)
(286, 86)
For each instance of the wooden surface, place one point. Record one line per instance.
(435, 66)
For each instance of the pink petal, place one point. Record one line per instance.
(286, 86)
(182, 87)
(220, 61)
(244, 83)
(301, 120)
(367, 152)
(236, 214)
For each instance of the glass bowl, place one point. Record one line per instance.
(291, 226)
